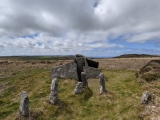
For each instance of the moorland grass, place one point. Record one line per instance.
(121, 101)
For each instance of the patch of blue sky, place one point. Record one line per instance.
(122, 40)
(11, 37)
(25, 36)
(95, 3)
(39, 43)
(31, 35)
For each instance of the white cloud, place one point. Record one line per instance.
(144, 37)
(72, 41)
(76, 26)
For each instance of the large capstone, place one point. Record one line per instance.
(79, 55)
(84, 80)
(102, 83)
(78, 89)
(24, 104)
(89, 62)
(91, 72)
(146, 97)
(65, 71)
(54, 91)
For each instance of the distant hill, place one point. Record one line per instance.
(56, 57)
(136, 56)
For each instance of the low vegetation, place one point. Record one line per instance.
(150, 71)
(122, 100)
(58, 57)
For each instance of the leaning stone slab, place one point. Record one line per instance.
(54, 91)
(91, 72)
(24, 105)
(78, 89)
(65, 71)
(102, 83)
(146, 97)
(92, 63)
(84, 80)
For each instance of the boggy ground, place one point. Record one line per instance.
(122, 100)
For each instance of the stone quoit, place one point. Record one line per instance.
(73, 69)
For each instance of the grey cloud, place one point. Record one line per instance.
(2, 45)
(71, 25)
(46, 16)
(57, 16)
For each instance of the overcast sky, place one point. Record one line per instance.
(89, 27)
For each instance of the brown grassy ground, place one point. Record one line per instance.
(10, 68)
(124, 63)
(121, 102)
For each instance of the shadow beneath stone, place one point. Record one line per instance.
(33, 115)
(63, 107)
(87, 93)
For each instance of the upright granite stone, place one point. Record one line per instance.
(78, 89)
(54, 91)
(80, 61)
(91, 72)
(84, 80)
(24, 105)
(65, 71)
(102, 83)
(79, 55)
(146, 97)
(89, 62)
